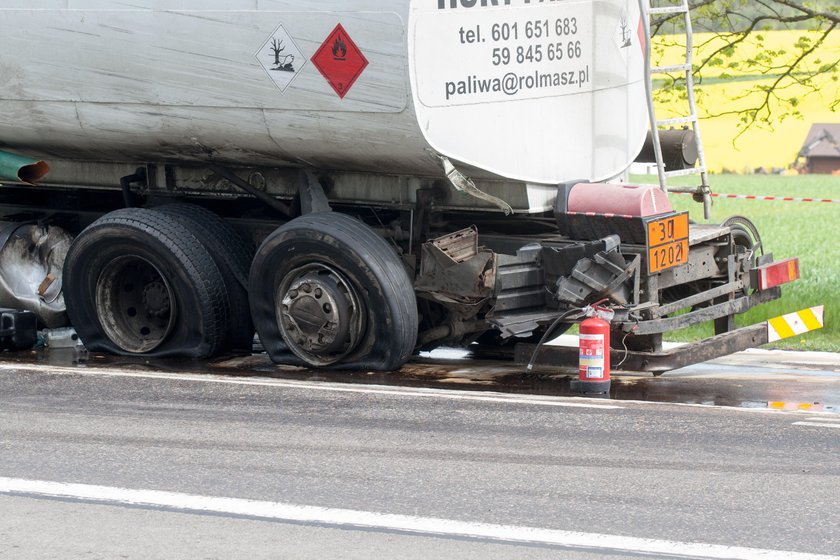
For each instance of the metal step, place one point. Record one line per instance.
(684, 172)
(668, 10)
(677, 120)
(671, 68)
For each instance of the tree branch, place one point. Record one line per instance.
(739, 23)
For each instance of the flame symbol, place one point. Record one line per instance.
(339, 49)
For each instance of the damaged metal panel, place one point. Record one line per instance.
(455, 271)
(521, 283)
(31, 261)
(464, 184)
(604, 273)
(521, 297)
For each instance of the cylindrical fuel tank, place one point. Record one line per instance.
(542, 92)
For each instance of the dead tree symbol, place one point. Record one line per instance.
(625, 31)
(284, 62)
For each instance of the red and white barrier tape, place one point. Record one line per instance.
(777, 198)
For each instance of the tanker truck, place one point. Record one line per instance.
(353, 181)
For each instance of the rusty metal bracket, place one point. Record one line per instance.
(735, 306)
(702, 297)
(238, 181)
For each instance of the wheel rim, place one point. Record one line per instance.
(745, 235)
(135, 304)
(319, 314)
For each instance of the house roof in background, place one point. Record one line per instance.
(823, 140)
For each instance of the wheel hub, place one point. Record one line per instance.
(319, 314)
(135, 304)
(156, 299)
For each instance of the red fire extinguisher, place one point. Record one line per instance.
(594, 369)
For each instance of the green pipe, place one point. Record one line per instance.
(14, 167)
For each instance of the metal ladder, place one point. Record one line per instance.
(703, 192)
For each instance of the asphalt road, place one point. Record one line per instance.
(131, 463)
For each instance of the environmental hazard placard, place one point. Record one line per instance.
(340, 61)
(281, 58)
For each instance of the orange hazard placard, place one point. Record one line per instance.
(667, 242)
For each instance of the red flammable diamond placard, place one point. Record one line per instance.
(340, 61)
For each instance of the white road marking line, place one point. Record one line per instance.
(447, 394)
(423, 526)
(817, 424)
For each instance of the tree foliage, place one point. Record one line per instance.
(739, 47)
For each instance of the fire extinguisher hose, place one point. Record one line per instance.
(575, 313)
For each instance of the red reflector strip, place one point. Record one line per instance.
(779, 273)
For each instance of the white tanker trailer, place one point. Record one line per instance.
(413, 172)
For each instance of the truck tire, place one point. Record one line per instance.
(137, 282)
(233, 255)
(327, 291)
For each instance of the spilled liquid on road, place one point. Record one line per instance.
(743, 386)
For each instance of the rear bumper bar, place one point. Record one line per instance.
(658, 362)
(655, 362)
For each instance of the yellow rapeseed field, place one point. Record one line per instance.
(772, 145)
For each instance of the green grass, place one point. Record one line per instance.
(810, 231)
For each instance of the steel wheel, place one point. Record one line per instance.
(327, 291)
(137, 282)
(135, 304)
(319, 314)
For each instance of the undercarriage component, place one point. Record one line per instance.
(747, 247)
(238, 181)
(456, 272)
(311, 194)
(18, 329)
(139, 177)
(582, 272)
(31, 261)
(520, 308)
(604, 276)
(454, 332)
(721, 277)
